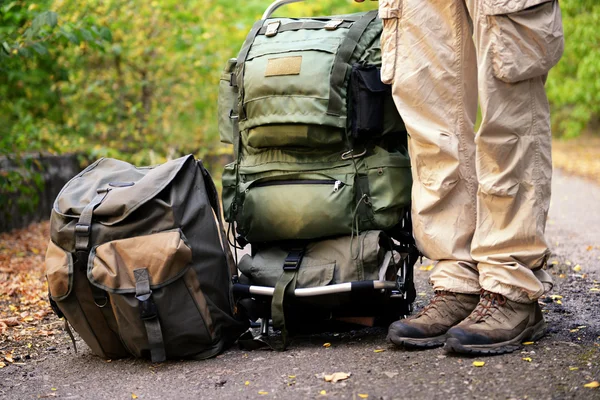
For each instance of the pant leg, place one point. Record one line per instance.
(429, 57)
(513, 156)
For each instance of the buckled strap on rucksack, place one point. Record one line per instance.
(83, 228)
(342, 60)
(285, 285)
(149, 314)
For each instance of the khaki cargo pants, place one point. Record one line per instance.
(480, 200)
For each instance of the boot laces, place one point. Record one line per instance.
(439, 297)
(488, 304)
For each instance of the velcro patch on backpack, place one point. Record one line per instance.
(284, 66)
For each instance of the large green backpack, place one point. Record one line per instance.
(319, 147)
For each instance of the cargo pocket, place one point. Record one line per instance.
(70, 290)
(173, 297)
(368, 100)
(227, 96)
(526, 42)
(390, 12)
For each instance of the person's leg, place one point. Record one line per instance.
(515, 48)
(429, 57)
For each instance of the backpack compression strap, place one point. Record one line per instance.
(285, 286)
(149, 314)
(342, 61)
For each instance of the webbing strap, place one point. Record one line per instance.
(342, 60)
(149, 314)
(213, 198)
(309, 25)
(285, 286)
(241, 64)
(83, 228)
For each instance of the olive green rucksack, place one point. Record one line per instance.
(319, 147)
(137, 262)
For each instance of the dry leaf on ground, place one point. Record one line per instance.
(337, 376)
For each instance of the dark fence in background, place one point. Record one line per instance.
(55, 172)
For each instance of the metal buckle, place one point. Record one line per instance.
(293, 260)
(148, 309)
(272, 28)
(333, 24)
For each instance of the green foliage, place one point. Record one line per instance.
(574, 84)
(138, 79)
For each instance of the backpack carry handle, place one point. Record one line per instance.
(275, 5)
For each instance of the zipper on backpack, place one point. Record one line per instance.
(337, 185)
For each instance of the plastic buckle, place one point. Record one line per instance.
(333, 24)
(147, 307)
(272, 28)
(293, 260)
(82, 229)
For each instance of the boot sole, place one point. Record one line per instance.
(534, 333)
(414, 343)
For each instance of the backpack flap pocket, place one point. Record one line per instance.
(266, 266)
(390, 183)
(368, 97)
(159, 307)
(70, 290)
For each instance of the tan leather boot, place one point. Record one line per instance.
(428, 328)
(496, 326)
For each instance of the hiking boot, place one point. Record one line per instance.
(496, 326)
(428, 328)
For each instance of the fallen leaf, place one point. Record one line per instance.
(562, 276)
(133, 396)
(338, 376)
(582, 327)
(2, 365)
(262, 392)
(292, 376)
(422, 294)
(573, 330)
(569, 263)
(573, 368)
(426, 267)
(8, 358)
(323, 392)
(247, 383)
(577, 268)
(595, 289)
(527, 343)
(592, 385)
(478, 363)
(558, 302)
(13, 321)
(589, 248)
(528, 359)
(363, 396)
(53, 389)
(378, 350)
(556, 297)
(327, 344)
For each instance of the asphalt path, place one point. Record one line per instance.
(557, 367)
